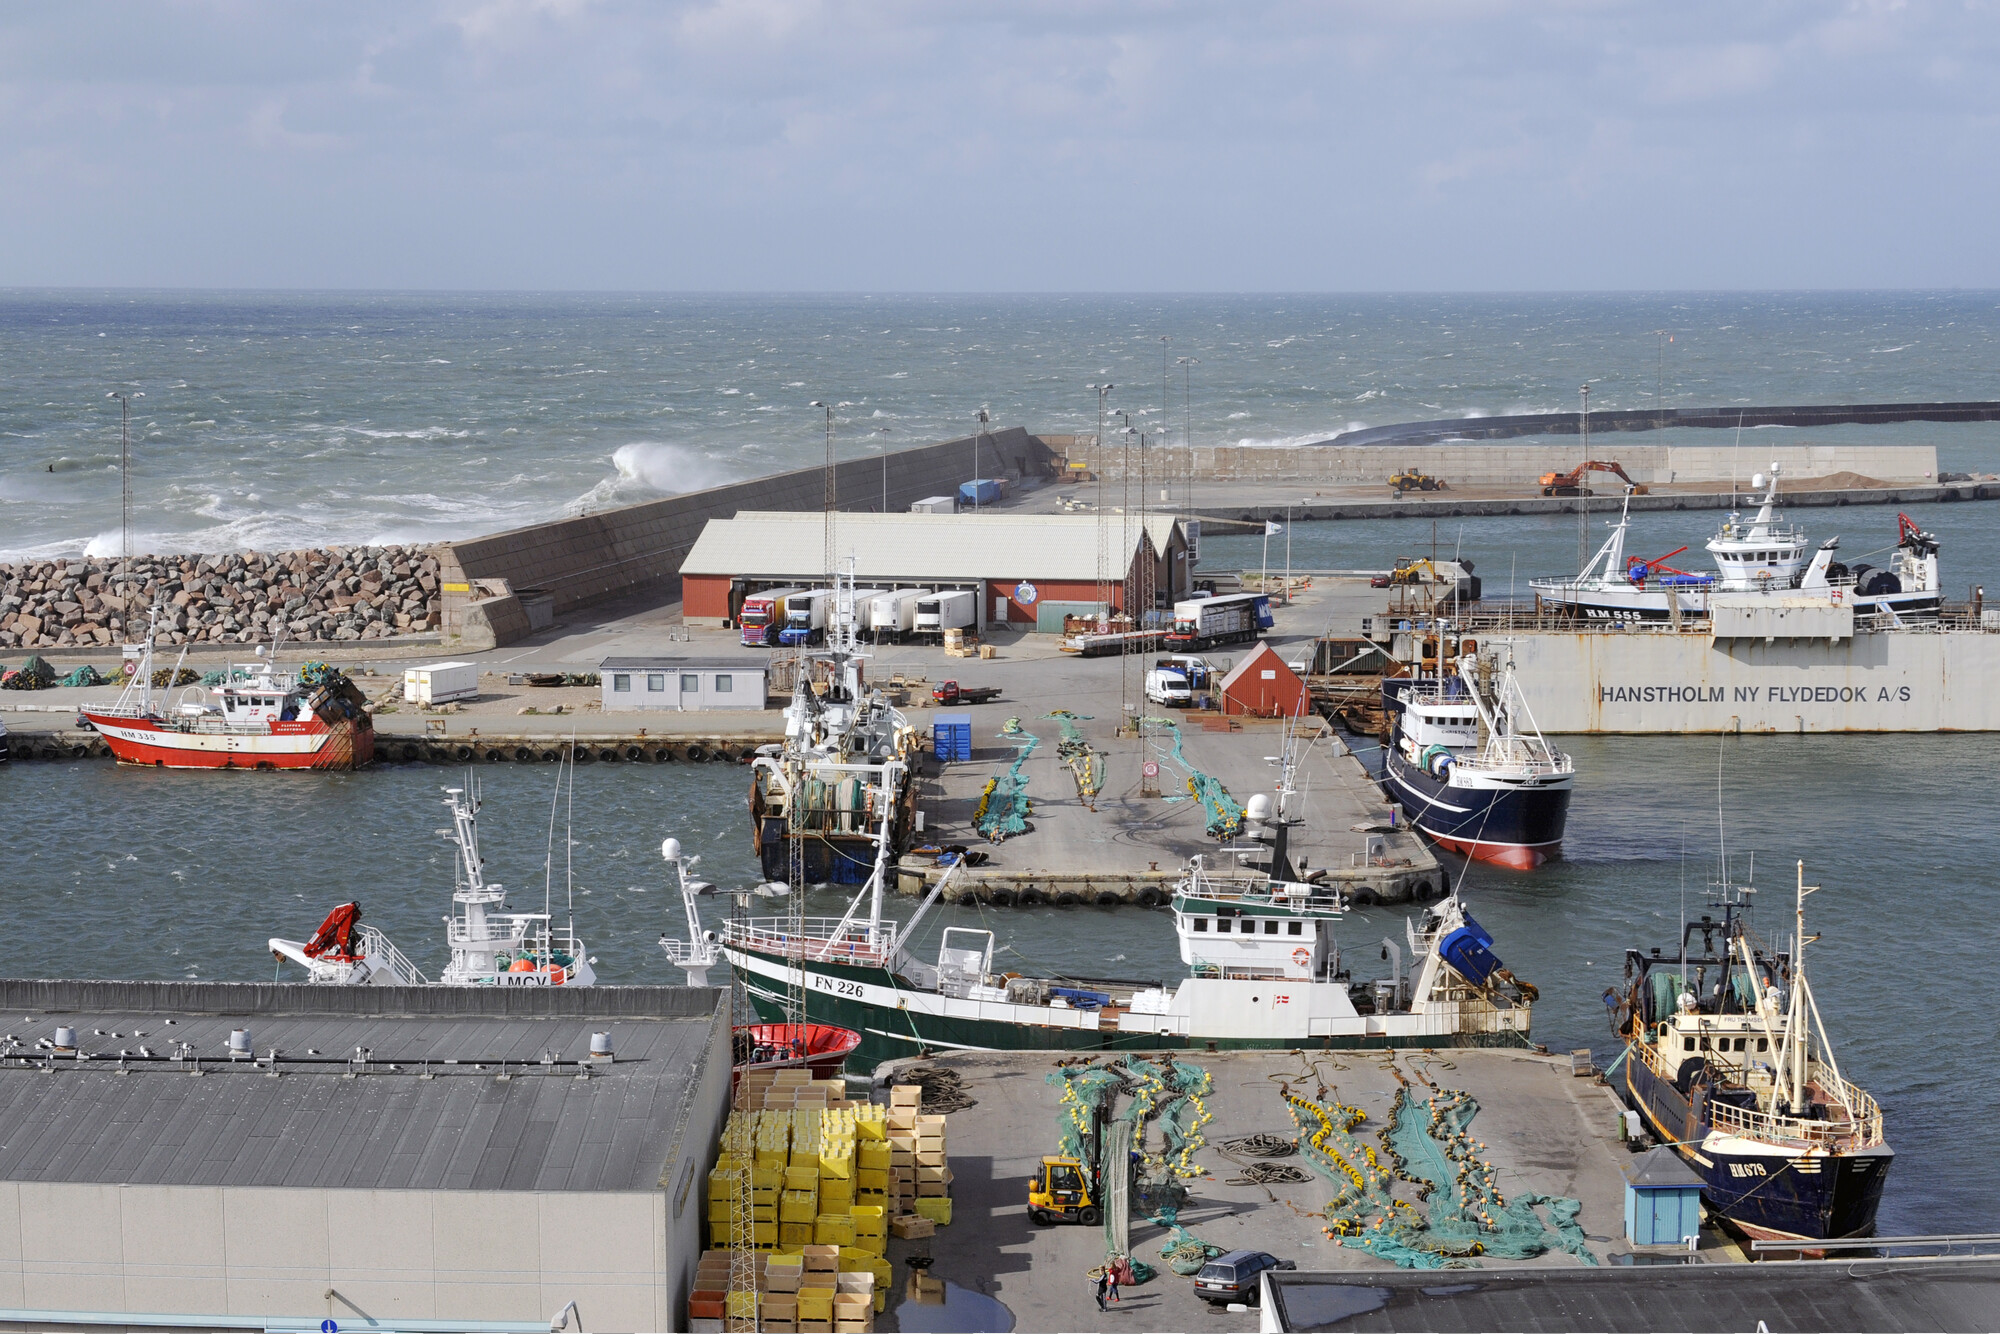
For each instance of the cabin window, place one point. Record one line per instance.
(621, 682)
(1704, 1042)
(1763, 1044)
(1271, 927)
(1739, 1044)
(1201, 924)
(690, 684)
(1295, 928)
(656, 682)
(724, 683)
(1222, 925)
(1687, 1043)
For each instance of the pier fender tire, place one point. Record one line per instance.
(635, 752)
(1000, 898)
(408, 751)
(1364, 896)
(726, 754)
(1032, 898)
(99, 749)
(522, 755)
(1106, 899)
(1065, 899)
(1150, 898)
(664, 755)
(495, 755)
(1089, 1217)
(78, 750)
(697, 752)
(462, 753)
(582, 755)
(551, 756)
(609, 755)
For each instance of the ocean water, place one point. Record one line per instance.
(274, 420)
(281, 420)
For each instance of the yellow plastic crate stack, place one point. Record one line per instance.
(835, 1224)
(759, 1144)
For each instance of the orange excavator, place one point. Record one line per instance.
(1571, 483)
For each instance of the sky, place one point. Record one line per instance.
(1000, 145)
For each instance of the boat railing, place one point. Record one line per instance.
(1863, 1127)
(375, 944)
(828, 938)
(1258, 891)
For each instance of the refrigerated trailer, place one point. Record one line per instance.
(805, 617)
(951, 610)
(1204, 622)
(895, 614)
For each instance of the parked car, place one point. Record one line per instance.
(1235, 1277)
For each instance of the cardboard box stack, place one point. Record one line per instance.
(829, 1182)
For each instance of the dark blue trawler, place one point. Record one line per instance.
(1725, 1062)
(1504, 800)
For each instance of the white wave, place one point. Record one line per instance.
(1292, 441)
(427, 433)
(1904, 348)
(1236, 416)
(1771, 426)
(728, 393)
(649, 468)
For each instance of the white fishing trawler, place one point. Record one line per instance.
(1762, 556)
(1265, 969)
(490, 945)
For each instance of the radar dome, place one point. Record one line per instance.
(671, 849)
(1259, 808)
(1757, 481)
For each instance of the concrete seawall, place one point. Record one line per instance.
(503, 587)
(1222, 519)
(1522, 465)
(1721, 418)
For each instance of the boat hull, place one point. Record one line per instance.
(1519, 827)
(304, 744)
(1767, 1191)
(830, 859)
(1618, 604)
(896, 1021)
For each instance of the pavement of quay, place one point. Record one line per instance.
(1544, 1130)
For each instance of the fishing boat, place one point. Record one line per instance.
(1264, 969)
(1727, 1061)
(1759, 557)
(821, 781)
(490, 946)
(255, 717)
(789, 1044)
(1503, 799)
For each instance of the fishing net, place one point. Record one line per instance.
(1429, 1145)
(1225, 813)
(34, 674)
(1666, 991)
(1073, 750)
(1003, 804)
(1170, 1094)
(85, 675)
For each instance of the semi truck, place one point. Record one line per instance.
(762, 614)
(954, 609)
(805, 617)
(1204, 622)
(895, 614)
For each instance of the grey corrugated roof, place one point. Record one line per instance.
(771, 544)
(1843, 1294)
(1657, 1167)
(430, 1109)
(746, 663)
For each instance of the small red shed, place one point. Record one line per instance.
(1262, 686)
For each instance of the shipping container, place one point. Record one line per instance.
(954, 609)
(1202, 622)
(761, 615)
(951, 736)
(935, 505)
(440, 683)
(981, 491)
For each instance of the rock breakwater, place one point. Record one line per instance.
(330, 594)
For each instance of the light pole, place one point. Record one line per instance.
(884, 447)
(1663, 337)
(832, 492)
(1187, 365)
(983, 419)
(1583, 480)
(1103, 540)
(125, 468)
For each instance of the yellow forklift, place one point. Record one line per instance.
(1063, 1192)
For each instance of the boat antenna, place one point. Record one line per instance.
(549, 855)
(1734, 450)
(569, 839)
(1721, 825)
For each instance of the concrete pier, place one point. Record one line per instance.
(1543, 1129)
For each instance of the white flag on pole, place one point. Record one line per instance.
(1272, 528)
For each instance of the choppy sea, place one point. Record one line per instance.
(280, 420)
